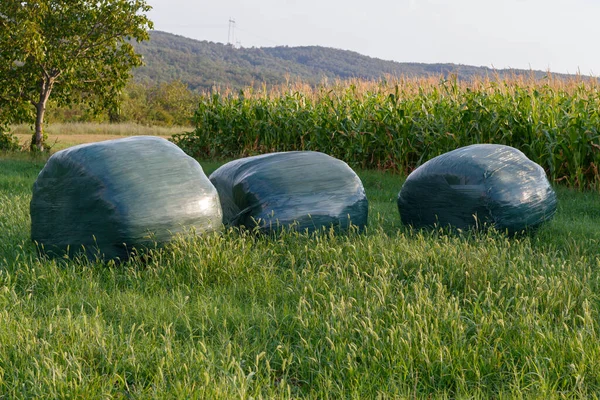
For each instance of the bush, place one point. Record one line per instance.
(164, 104)
(8, 141)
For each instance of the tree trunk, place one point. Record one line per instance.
(37, 142)
(38, 138)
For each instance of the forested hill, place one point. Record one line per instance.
(203, 65)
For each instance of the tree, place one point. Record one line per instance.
(172, 103)
(79, 51)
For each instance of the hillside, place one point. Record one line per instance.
(203, 65)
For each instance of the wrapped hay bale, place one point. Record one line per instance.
(303, 190)
(112, 196)
(478, 185)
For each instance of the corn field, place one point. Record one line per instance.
(398, 124)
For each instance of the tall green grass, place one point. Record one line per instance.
(401, 124)
(391, 313)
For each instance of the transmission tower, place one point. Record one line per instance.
(231, 33)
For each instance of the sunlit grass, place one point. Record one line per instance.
(63, 135)
(391, 313)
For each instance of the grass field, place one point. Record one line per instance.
(391, 313)
(63, 135)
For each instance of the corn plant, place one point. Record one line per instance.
(399, 124)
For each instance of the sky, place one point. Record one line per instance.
(547, 35)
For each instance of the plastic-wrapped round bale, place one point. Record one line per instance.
(112, 196)
(303, 190)
(478, 185)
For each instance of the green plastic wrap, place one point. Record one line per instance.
(113, 196)
(477, 186)
(301, 190)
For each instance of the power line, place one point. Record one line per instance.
(235, 43)
(259, 36)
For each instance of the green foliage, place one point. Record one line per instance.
(76, 50)
(44, 139)
(391, 313)
(161, 104)
(204, 65)
(400, 128)
(170, 103)
(8, 142)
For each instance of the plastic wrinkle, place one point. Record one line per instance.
(301, 190)
(477, 185)
(110, 197)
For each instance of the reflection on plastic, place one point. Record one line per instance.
(478, 185)
(302, 190)
(112, 196)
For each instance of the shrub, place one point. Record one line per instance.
(8, 141)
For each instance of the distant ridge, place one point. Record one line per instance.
(203, 65)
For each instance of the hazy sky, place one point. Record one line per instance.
(560, 36)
